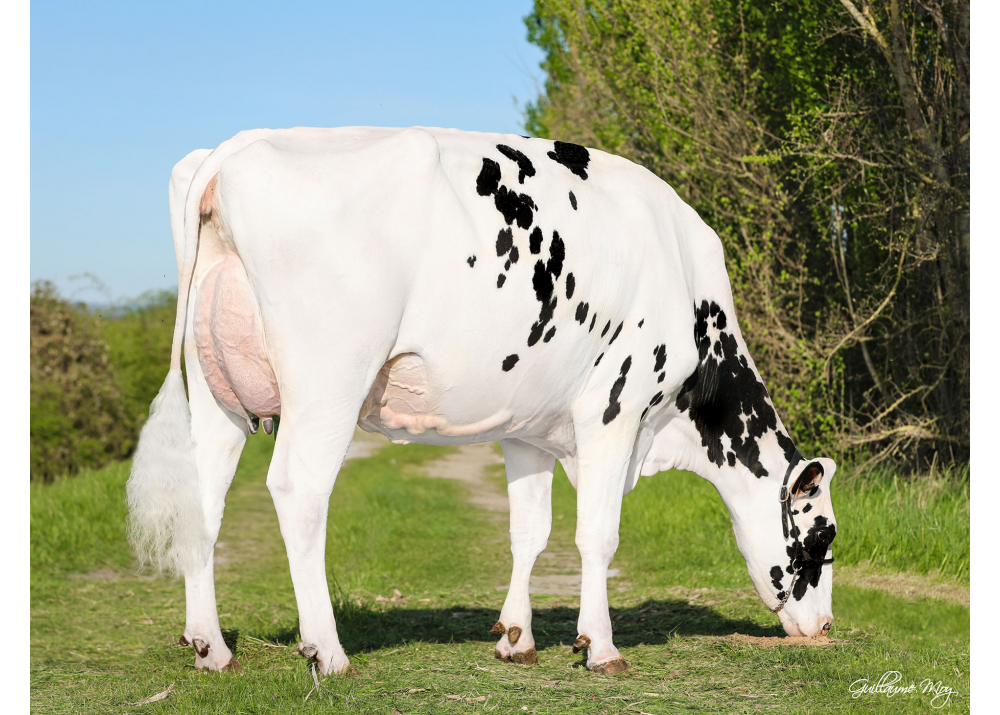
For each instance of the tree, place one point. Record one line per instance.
(827, 144)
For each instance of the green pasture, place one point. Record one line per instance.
(104, 639)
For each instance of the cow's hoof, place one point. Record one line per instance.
(349, 672)
(610, 667)
(233, 666)
(525, 657)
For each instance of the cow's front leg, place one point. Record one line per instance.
(529, 489)
(602, 471)
(307, 457)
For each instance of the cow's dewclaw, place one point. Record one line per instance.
(201, 647)
(307, 650)
(513, 634)
(580, 643)
(498, 629)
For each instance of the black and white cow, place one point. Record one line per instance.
(449, 287)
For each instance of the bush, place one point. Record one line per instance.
(829, 148)
(93, 375)
(138, 338)
(78, 416)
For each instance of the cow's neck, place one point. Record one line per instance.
(727, 403)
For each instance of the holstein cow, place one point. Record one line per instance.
(448, 287)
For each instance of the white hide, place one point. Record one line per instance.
(374, 279)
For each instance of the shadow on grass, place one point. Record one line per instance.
(363, 628)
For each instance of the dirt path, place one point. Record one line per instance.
(557, 571)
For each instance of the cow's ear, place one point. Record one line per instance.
(808, 480)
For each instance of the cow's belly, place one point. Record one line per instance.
(405, 404)
(230, 342)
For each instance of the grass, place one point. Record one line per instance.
(103, 644)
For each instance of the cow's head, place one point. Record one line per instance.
(785, 534)
(723, 426)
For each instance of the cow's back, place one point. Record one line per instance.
(516, 271)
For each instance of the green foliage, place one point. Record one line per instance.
(138, 338)
(93, 375)
(828, 147)
(78, 418)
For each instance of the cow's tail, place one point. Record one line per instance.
(166, 523)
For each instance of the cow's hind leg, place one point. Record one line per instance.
(309, 452)
(529, 489)
(218, 437)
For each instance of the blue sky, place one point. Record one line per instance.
(121, 91)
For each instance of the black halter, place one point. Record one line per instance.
(799, 555)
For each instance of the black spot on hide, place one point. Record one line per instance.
(617, 331)
(471, 260)
(515, 206)
(509, 362)
(598, 360)
(570, 285)
(660, 353)
(662, 375)
(606, 329)
(614, 407)
(543, 282)
(489, 178)
(592, 321)
(776, 576)
(572, 200)
(514, 254)
(523, 163)
(548, 335)
(573, 156)
(535, 241)
(581, 312)
(557, 254)
(723, 391)
(506, 265)
(641, 322)
(807, 508)
(505, 241)
(501, 279)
